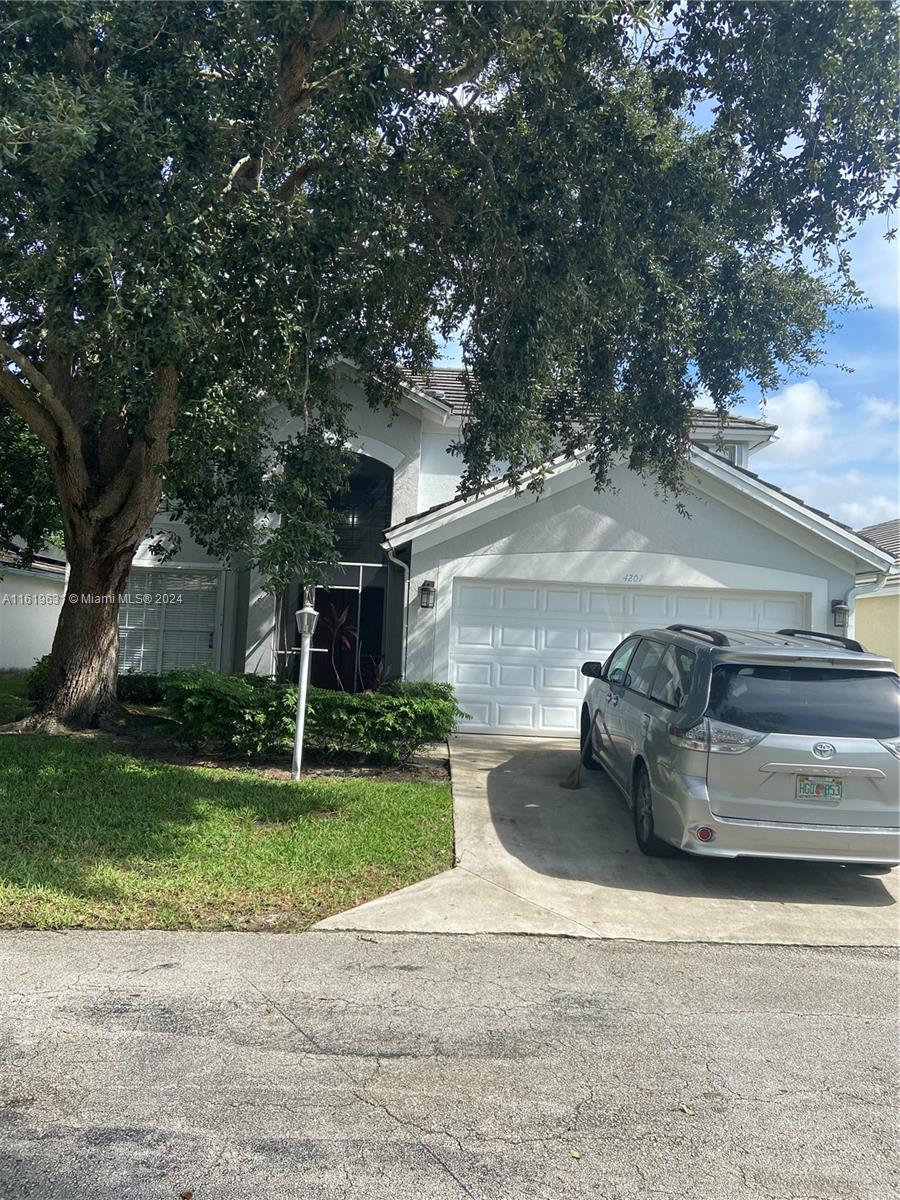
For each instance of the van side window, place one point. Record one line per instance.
(673, 679)
(614, 671)
(643, 666)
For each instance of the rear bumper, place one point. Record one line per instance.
(818, 843)
(688, 809)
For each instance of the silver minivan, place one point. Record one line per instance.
(730, 743)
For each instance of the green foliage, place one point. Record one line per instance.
(257, 717)
(29, 512)
(38, 680)
(231, 198)
(246, 712)
(13, 702)
(415, 689)
(386, 728)
(141, 689)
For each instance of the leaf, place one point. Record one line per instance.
(575, 1153)
(686, 1108)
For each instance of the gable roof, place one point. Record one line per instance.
(448, 385)
(711, 464)
(885, 535)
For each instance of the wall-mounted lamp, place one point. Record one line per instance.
(427, 593)
(840, 614)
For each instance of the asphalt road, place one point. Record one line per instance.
(387, 1066)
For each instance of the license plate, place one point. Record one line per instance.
(819, 787)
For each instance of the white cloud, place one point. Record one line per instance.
(841, 458)
(803, 413)
(856, 497)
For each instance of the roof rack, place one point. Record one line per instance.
(847, 643)
(717, 638)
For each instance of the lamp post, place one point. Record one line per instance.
(306, 624)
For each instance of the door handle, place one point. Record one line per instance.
(645, 718)
(612, 698)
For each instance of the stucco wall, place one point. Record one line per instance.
(391, 438)
(29, 611)
(440, 470)
(576, 535)
(877, 624)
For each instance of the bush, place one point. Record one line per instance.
(420, 689)
(38, 680)
(247, 712)
(384, 727)
(257, 717)
(141, 689)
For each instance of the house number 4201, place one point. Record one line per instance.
(633, 578)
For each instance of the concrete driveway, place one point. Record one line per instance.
(535, 858)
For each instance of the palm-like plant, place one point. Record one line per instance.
(342, 634)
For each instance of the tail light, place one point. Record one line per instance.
(715, 736)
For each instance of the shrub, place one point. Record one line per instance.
(38, 680)
(420, 689)
(384, 727)
(246, 711)
(257, 717)
(141, 689)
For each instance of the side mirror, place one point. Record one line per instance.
(616, 676)
(592, 669)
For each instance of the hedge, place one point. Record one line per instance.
(140, 689)
(257, 717)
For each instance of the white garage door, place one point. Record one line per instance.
(516, 649)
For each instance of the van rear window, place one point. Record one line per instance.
(820, 701)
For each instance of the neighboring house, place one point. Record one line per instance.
(30, 599)
(878, 614)
(501, 594)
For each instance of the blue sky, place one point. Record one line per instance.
(839, 430)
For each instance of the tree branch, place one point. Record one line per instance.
(52, 404)
(29, 409)
(149, 449)
(298, 57)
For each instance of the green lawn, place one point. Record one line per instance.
(13, 705)
(93, 837)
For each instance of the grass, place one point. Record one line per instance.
(93, 837)
(13, 704)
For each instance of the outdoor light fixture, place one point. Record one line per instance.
(306, 627)
(427, 593)
(840, 613)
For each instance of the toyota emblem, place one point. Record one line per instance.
(824, 750)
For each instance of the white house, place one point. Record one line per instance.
(30, 600)
(501, 594)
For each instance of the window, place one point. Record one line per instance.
(643, 666)
(727, 450)
(168, 620)
(673, 679)
(615, 668)
(819, 701)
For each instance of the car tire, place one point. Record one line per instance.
(648, 842)
(588, 759)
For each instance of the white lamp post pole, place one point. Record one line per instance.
(306, 624)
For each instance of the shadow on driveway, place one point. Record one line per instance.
(587, 835)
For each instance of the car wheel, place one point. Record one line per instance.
(647, 840)
(588, 759)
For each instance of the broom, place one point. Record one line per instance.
(573, 780)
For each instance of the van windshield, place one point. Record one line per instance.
(820, 701)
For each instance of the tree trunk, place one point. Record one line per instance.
(84, 659)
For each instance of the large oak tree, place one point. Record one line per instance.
(203, 205)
